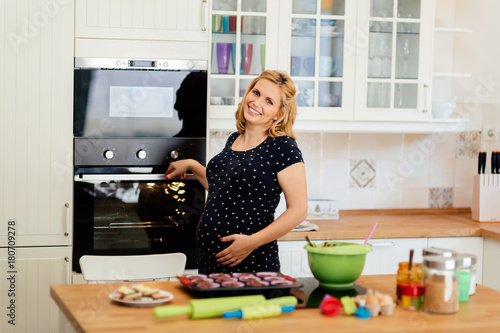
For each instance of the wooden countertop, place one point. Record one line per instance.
(90, 310)
(400, 223)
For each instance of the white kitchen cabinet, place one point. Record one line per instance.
(36, 140)
(354, 62)
(469, 245)
(25, 289)
(387, 253)
(384, 258)
(491, 263)
(393, 63)
(182, 20)
(142, 29)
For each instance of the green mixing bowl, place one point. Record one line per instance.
(336, 265)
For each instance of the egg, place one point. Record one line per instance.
(371, 300)
(386, 300)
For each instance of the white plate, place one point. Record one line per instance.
(139, 303)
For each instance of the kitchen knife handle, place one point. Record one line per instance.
(481, 162)
(493, 162)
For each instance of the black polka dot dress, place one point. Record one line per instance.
(242, 197)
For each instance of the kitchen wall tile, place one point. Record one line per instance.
(217, 142)
(363, 146)
(335, 146)
(309, 144)
(361, 198)
(414, 147)
(389, 198)
(389, 146)
(465, 169)
(441, 173)
(313, 177)
(340, 195)
(468, 144)
(335, 174)
(440, 197)
(414, 174)
(362, 173)
(415, 197)
(441, 145)
(388, 174)
(462, 197)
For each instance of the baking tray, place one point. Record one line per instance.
(270, 284)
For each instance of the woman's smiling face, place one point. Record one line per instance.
(262, 104)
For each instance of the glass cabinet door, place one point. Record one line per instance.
(238, 47)
(320, 31)
(394, 78)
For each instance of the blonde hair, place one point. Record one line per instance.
(288, 107)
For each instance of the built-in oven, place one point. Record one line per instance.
(132, 118)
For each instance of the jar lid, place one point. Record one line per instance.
(466, 260)
(438, 251)
(439, 262)
(411, 289)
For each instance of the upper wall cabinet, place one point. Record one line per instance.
(181, 20)
(394, 58)
(353, 62)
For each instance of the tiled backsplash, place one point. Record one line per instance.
(383, 171)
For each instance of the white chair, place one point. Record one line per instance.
(152, 267)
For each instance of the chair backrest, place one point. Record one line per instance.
(132, 268)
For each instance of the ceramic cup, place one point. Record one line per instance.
(223, 56)
(308, 64)
(295, 65)
(216, 100)
(327, 66)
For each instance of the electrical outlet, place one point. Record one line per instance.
(491, 123)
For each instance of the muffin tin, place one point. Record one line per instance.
(219, 284)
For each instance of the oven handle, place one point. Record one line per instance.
(127, 177)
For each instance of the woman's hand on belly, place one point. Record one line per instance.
(234, 254)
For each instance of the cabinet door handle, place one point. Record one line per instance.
(68, 270)
(382, 244)
(425, 97)
(204, 5)
(66, 232)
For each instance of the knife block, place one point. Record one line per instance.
(486, 198)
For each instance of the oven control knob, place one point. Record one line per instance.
(109, 154)
(141, 154)
(165, 64)
(174, 154)
(190, 64)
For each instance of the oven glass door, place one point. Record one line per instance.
(139, 103)
(136, 214)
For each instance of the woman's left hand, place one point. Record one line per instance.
(234, 254)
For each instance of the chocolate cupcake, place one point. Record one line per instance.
(207, 284)
(233, 284)
(256, 283)
(264, 274)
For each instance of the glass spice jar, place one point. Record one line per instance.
(429, 251)
(403, 278)
(466, 276)
(440, 284)
(411, 296)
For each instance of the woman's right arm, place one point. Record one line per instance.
(179, 169)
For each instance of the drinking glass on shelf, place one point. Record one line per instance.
(384, 53)
(404, 53)
(382, 95)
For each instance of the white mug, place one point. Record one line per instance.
(216, 100)
(327, 66)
